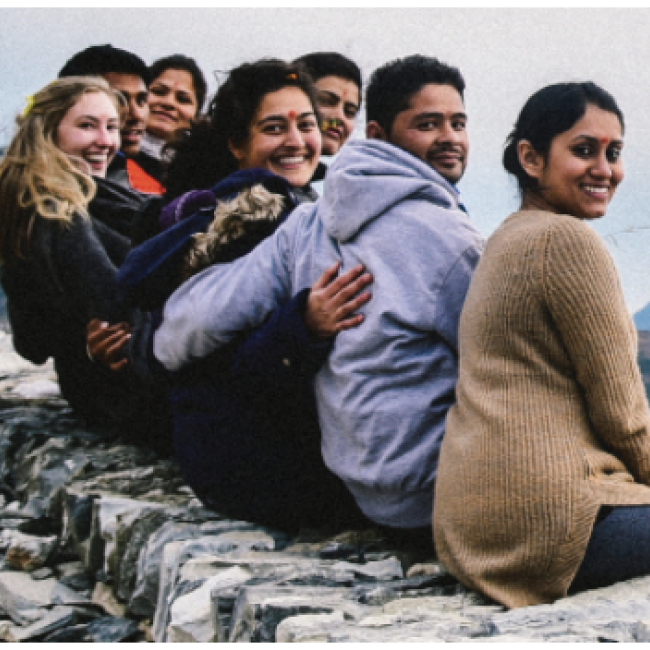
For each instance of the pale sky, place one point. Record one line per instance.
(504, 54)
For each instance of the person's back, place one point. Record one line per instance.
(389, 211)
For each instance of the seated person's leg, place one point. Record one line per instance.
(619, 548)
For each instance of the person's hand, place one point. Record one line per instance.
(106, 343)
(332, 301)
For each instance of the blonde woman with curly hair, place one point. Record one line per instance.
(59, 254)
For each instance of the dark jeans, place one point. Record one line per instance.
(619, 548)
(249, 461)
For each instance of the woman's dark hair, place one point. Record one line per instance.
(202, 157)
(182, 62)
(549, 112)
(325, 64)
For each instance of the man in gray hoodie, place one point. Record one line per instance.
(391, 205)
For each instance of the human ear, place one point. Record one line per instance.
(375, 132)
(531, 161)
(238, 152)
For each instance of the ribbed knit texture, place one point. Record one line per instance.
(551, 419)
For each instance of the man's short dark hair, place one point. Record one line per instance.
(392, 86)
(101, 59)
(324, 64)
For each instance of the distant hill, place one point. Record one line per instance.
(642, 319)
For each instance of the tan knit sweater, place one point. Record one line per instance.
(551, 420)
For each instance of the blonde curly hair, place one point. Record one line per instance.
(36, 178)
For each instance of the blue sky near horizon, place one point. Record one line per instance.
(504, 54)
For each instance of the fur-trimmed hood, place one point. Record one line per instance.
(248, 206)
(238, 226)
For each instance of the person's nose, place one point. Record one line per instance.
(294, 136)
(138, 112)
(449, 134)
(105, 138)
(602, 167)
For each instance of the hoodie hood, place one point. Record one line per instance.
(370, 177)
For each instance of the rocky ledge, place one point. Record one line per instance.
(103, 542)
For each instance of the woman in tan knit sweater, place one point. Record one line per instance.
(551, 426)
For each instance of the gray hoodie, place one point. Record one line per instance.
(385, 390)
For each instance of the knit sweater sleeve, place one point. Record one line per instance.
(585, 299)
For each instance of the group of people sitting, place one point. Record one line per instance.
(359, 358)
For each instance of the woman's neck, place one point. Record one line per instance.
(535, 201)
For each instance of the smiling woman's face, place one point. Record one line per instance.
(338, 104)
(90, 132)
(283, 137)
(583, 167)
(172, 103)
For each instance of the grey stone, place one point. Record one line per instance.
(55, 619)
(177, 554)
(63, 595)
(111, 629)
(79, 581)
(21, 597)
(336, 551)
(388, 569)
(145, 595)
(38, 389)
(309, 628)
(260, 609)
(64, 569)
(72, 634)
(133, 532)
(26, 552)
(41, 574)
(104, 526)
(192, 615)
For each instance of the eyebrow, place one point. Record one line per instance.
(592, 139)
(336, 97)
(433, 114)
(272, 118)
(92, 118)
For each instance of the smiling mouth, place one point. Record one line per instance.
(446, 158)
(291, 161)
(165, 116)
(97, 161)
(334, 134)
(597, 192)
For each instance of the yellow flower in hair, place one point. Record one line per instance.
(30, 104)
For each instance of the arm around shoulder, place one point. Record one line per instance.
(210, 309)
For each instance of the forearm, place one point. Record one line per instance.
(210, 309)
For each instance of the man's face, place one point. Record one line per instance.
(133, 88)
(434, 130)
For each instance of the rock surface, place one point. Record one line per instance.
(101, 541)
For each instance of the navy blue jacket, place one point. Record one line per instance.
(246, 433)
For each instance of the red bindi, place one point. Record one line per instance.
(604, 141)
(292, 114)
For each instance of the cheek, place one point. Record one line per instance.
(313, 140)
(618, 173)
(188, 112)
